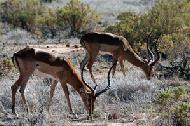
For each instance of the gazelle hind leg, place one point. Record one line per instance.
(14, 89)
(121, 62)
(52, 91)
(26, 68)
(21, 82)
(114, 67)
(84, 62)
(90, 63)
(115, 59)
(21, 90)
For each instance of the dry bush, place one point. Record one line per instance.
(6, 66)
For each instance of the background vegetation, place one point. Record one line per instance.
(35, 17)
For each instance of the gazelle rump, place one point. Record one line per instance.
(94, 42)
(29, 59)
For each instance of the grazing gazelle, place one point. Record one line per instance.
(119, 47)
(29, 59)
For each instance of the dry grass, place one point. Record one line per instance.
(126, 97)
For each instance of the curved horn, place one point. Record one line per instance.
(108, 86)
(84, 80)
(150, 53)
(158, 55)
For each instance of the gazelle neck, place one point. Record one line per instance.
(80, 87)
(134, 59)
(77, 83)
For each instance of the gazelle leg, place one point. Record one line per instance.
(115, 59)
(14, 89)
(122, 66)
(22, 83)
(90, 63)
(84, 62)
(114, 67)
(52, 91)
(21, 90)
(66, 91)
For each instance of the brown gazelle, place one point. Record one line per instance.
(29, 59)
(119, 47)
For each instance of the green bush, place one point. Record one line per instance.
(77, 17)
(6, 66)
(167, 20)
(175, 45)
(174, 105)
(21, 13)
(37, 18)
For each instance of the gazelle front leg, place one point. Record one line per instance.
(66, 91)
(52, 91)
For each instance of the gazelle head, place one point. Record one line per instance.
(148, 67)
(90, 96)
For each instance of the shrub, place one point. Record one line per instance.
(20, 13)
(33, 16)
(30, 15)
(77, 17)
(6, 66)
(174, 105)
(167, 20)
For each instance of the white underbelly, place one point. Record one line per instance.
(45, 70)
(108, 48)
(45, 75)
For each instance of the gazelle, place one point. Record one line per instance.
(29, 59)
(119, 47)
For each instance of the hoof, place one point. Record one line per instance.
(14, 114)
(89, 117)
(75, 116)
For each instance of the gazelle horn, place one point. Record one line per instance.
(108, 86)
